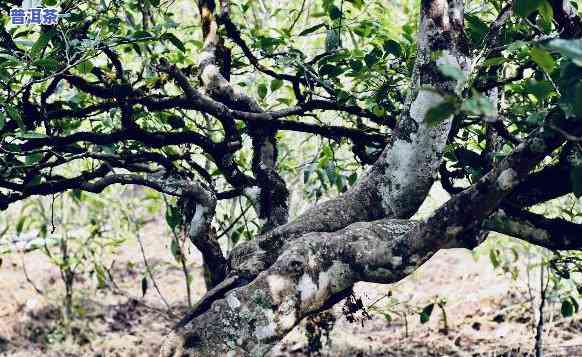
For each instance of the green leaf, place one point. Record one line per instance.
(262, 90)
(569, 48)
(332, 40)
(570, 84)
(356, 65)
(540, 89)
(7, 60)
(440, 112)
(136, 48)
(352, 178)
(451, 71)
(20, 224)
(373, 56)
(173, 217)
(49, 2)
(236, 234)
(543, 59)
(176, 122)
(84, 67)
(576, 180)
(48, 64)
(285, 101)
(393, 47)
(33, 158)
(357, 3)
(268, 43)
(100, 274)
(327, 152)
(330, 70)
(426, 312)
(334, 12)
(7, 56)
(144, 286)
(174, 40)
(331, 173)
(29, 135)
(365, 28)
(311, 29)
(567, 308)
(41, 44)
(494, 61)
(175, 249)
(77, 195)
(477, 29)
(536, 118)
(524, 8)
(546, 11)
(141, 34)
(493, 258)
(2, 120)
(479, 105)
(276, 84)
(15, 115)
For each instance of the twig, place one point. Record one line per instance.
(539, 352)
(29, 280)
(225, 230)
(290, 29)
(151, 275)
(116, 289)
(378, 300)
(182, 259)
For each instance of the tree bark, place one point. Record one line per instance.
(270, 193)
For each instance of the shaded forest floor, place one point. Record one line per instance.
(487, 312)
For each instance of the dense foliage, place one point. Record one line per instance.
(66, 90)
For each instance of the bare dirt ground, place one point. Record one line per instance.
(488, 313)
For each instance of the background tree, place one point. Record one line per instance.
(484, 95)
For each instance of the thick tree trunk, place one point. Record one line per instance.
(309, 276)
